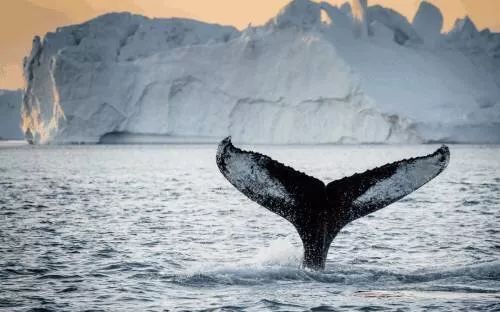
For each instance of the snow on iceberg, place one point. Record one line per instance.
(294, 80)
(10, 115)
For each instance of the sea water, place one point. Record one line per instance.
(157, 228)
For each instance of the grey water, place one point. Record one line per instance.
(157, 228)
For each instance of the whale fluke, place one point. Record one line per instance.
(320, 211)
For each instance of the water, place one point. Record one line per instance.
(157, 228)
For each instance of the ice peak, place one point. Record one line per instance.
(397, 23)
(428, 22)
(304, 14)
(464, 29)
(346, 8)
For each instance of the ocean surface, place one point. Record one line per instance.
(157, 228)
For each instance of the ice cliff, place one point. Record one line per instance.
(10, 115)
(315, 73)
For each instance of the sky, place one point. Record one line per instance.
(21, 20)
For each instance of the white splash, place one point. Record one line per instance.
(280, 252)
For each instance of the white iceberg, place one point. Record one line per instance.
(296, 79)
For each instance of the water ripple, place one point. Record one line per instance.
(154, 228)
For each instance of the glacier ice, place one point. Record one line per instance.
(10, 115)
(463, 30)
(428, 22)
(402, 29)
(293, 80)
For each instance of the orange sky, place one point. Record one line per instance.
(20, 20)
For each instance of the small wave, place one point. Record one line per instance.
(24, 271)
(59, 276)
(360, 276)
(464, 289)
(252, 273)
(479, 271)
(69, 289)
(125, 266)
(323, 308)
(246, 275)
(33, 206)
(416, 294)
(273, 304)
(224, 308)
(261, 305)
(470, 203)
(9, 303)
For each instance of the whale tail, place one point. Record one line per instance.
(320, 211)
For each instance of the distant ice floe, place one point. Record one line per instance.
(315, 73)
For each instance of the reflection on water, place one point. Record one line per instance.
(157, 227)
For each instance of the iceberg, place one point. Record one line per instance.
(10, 115)
(365, 76)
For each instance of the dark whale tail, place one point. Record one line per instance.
(320, 211)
